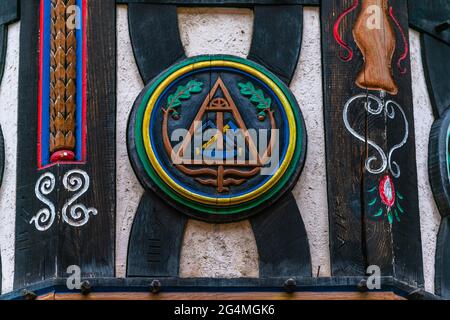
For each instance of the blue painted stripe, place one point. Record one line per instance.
(80, 88)
(45, 112)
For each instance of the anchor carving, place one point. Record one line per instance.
(220, 157)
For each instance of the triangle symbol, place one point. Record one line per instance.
(219, 106)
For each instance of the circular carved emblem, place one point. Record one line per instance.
(439, 162)
(218, 137)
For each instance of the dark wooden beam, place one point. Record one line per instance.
(431, 17)
(282, 241)
(362, 232)
(227, 296)
(2, 157)
(442, 276)
(156, 239)
(406, 235)
(436, 64)
(221, 3)
(2, 166)
(155, 37)
(92, 246)
(34, 252)
(277, 27)
(9, 11)
(45, 254)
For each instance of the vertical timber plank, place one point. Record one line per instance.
(92, 246)
(156, 239)
(9, 11)
(34, 250)
(2, 165)
(436, 64)
(344, 157)
(277, 39)
(154, 52)
(282, 241)
(359, 235)
(46, 254)
(406, 234)
(442, 276)
(3, 44)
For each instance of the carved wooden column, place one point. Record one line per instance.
(66, 140)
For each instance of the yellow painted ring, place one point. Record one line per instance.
(213, 200)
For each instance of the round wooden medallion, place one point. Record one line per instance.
(439, 162)
(218, 137)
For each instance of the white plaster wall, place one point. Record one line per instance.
(423, 120)
(311, 190)
(129, 190)
(222, 250)
(8, 121)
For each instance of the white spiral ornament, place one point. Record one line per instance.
(76, 215)
(389, 110)
(45, 217)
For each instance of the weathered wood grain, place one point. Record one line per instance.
(92, 246)
(442, 275)
(357, 238)
(238, 3)
(238, 296)
(46, 254)
(156, 239)
(277, 39)
(34, 252)
(2, 167)
(438, 162)
(282, 241)
(426, 15)
(436, 64)
(9, 11)
(406, 235)
(345, 158)
(3, 47)
(155, 38)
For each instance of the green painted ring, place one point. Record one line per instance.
(151, 181)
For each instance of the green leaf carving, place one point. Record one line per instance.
(399, 207)
(379, 213)
(183, 92)
(262, 103)
(195, 86)
(390, 217)
(371, 203)
(247, 88)
(396, 215)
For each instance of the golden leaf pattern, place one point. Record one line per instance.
(63, 71)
